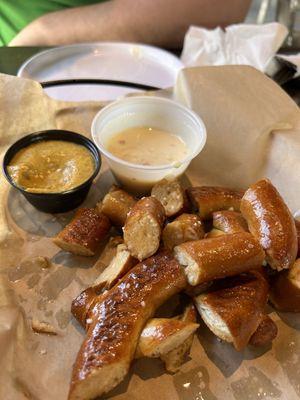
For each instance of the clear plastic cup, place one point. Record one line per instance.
(156, 112)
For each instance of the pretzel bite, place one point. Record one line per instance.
(116, 204)
(119, 265)
(175, 358)
(297, 224)
(171, 195)
(271, 223)
(285, 289)
(229, 221)
(214, 258)
(193, 291)
(117, 322)
(207, 199)
(84, 233)
(189, 314)
(265, 333)
(184, 228)
(143, 227)
(162, 335)
(82, 304)
(167, 338)
(235, 312)
(214, 233)
(109, 251)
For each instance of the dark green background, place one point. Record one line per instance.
(11, 58)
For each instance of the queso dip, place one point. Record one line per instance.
(51, 166)
(147, 146)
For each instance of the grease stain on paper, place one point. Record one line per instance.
(27, 267)
(287, 353)
(255, 386)
(33, 280)
(48, 313)
(35, 223)
(30, 269)
(34, 346)
(193, 385)
(63, 318)
(55, 283)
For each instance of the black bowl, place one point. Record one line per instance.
(61, 201)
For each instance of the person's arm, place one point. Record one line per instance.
(158, 22)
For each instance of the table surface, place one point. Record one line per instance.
(11, 58)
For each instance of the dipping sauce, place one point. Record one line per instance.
(51, 166)
(147, 146)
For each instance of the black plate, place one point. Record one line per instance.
(61, 201)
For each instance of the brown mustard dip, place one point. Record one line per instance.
(51, 166)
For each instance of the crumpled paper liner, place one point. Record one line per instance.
(253, 131)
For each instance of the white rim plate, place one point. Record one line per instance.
(105, 60)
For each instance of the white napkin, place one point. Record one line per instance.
(295, 59)
(239, 44)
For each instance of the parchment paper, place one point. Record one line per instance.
(253, 131)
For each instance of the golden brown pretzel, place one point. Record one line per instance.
(167, 338)
(118, 266)
(271, 222)
(117, 321)
(207, 199)
(285, 289)
(83, 303)
(84, 233)
(184, 228)
(121, 263)
(116, 204)
(297, 224)
(171, 195)
(143, 227)
(160, 336)
(214, 233)
(175, 358)
(229, 221)
(234, 313)
(218, 257)
(265, 333)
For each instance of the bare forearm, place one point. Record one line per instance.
(159, 22)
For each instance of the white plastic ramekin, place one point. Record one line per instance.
(156, 112)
